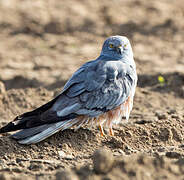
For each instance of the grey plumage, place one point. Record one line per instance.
(97, 87)
(46, 132)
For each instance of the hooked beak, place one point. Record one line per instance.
(119, 50)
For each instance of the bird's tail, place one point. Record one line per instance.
(17, 124)
(39, 133)
(29, 119)
(39, 124)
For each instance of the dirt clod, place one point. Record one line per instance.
(103, 161)
(66, 175)
(172, 154)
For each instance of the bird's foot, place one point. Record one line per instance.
(101, 130)
(111, 132)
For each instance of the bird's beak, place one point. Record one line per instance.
(119, 50)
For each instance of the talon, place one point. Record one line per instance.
(101, 130)
(111, 132)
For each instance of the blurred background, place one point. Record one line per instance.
(43, 42)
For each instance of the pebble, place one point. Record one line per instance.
(173, 154)
(175, 116)
(103, 161)
(65, 146)
(18, 160)
(161, 149)
(161, 115)
(181, 146)
(66, 175)
(121, 151)
(17, 170)
(172, 111)
(5, 157)
(65, 156)
(35, 167)
(46, 144)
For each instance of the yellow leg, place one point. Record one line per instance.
(101, 130)
(111, 132)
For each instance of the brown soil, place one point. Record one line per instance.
(43, 42)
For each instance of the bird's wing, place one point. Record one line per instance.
(99, 86)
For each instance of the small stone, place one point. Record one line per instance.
(172, 111)
(66, 175)
(61, 154)
(46, 144)
(64, 155)
(85, 136)
(18, 160)
(35, 167)
(21, 164)
(23, 151)
(175, 116)
(161, 149)
(173, 155)
(181, 146)
(69, 157)
(103, 161)
(118, 152)
(17, 170)
(5, 157)
(161, 115)
(65, 146)
(121, 151)
(42, 161)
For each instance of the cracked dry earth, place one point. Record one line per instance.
(40, 51)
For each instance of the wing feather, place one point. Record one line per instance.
(98, 86)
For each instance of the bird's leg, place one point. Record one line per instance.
(127, 108)
(111, 132)
(101, 130)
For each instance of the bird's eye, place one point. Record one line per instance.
(111, 45)
(125, 45)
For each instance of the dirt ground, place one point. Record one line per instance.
(43, 42)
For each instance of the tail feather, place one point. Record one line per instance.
(28, 119)
(22, 134)
(17, 124)
(39, 124)
(48, 131)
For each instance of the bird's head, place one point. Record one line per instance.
(117, 47)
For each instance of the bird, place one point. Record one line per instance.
(100, 93)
